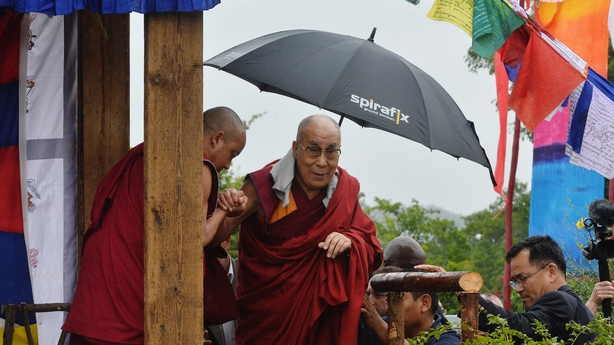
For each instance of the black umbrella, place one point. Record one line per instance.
(357, 79)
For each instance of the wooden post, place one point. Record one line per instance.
(469, 315)
(467, 283)
(104, 102)
(396, 319)
(173, 178)
(10, 311)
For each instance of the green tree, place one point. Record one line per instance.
(486, 237)
(444, 244)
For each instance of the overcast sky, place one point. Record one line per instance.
(387, 166)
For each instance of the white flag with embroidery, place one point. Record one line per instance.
(49, 112)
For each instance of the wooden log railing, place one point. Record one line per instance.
(467, 284)
(11, 310)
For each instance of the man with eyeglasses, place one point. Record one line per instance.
(538, 275)
(306, 247)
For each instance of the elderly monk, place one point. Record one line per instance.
(108, 305)
(306, 247)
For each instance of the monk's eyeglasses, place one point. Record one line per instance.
(314, 152)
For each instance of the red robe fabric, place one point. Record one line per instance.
(109, 300)
(288, 291)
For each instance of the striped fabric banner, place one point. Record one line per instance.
(50, 182)
(14, 276)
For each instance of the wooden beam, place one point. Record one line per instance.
(173, 178)
(427, 281)
(104, 102)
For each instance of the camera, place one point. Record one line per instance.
(601, 218)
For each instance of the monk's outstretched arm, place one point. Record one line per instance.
(228, 216)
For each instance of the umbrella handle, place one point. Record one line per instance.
(341, 120)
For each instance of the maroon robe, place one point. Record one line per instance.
(109, 300)
(288, 291)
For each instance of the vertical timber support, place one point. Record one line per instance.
(469, 315)
(173, 178)
(104, 102)
(396, 318)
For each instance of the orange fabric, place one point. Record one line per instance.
(582, 26)
(502, 103)
(282, 211)
(544, 81)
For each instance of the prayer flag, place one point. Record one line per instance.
(590, 142)
(582, 26)
(50, 176)
(493, 22)
(459, 13)
(38, 179)
(513, 51)
(544, 80)
(15, 284)
(502, 104)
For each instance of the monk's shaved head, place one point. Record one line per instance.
(317, 118)
(223, 119)
(404, 252)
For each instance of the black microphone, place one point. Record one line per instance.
(602, 211)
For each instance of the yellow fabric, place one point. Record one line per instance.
(459, 13)
(582, 26)
(282, 211)
(20, 338)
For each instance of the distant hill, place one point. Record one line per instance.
(447, 215)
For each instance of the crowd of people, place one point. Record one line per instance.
(307, 251)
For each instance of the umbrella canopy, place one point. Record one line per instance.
(357, 79)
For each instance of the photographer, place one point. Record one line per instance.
(601, 247)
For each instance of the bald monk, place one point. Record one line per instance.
(108, 304)
(404, 252)
(306, 247)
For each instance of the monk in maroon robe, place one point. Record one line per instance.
(108, 303)
(306, 247)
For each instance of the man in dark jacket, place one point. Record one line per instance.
(538, 271)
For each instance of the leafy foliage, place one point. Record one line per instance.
(486, 235)
(503, 335)
(479, 246)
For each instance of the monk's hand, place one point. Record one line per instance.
(232, 201)
(205, 341)
(335, 244)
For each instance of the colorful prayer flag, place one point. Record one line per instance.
(544, 81)
(459, 13)
(493, 22)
